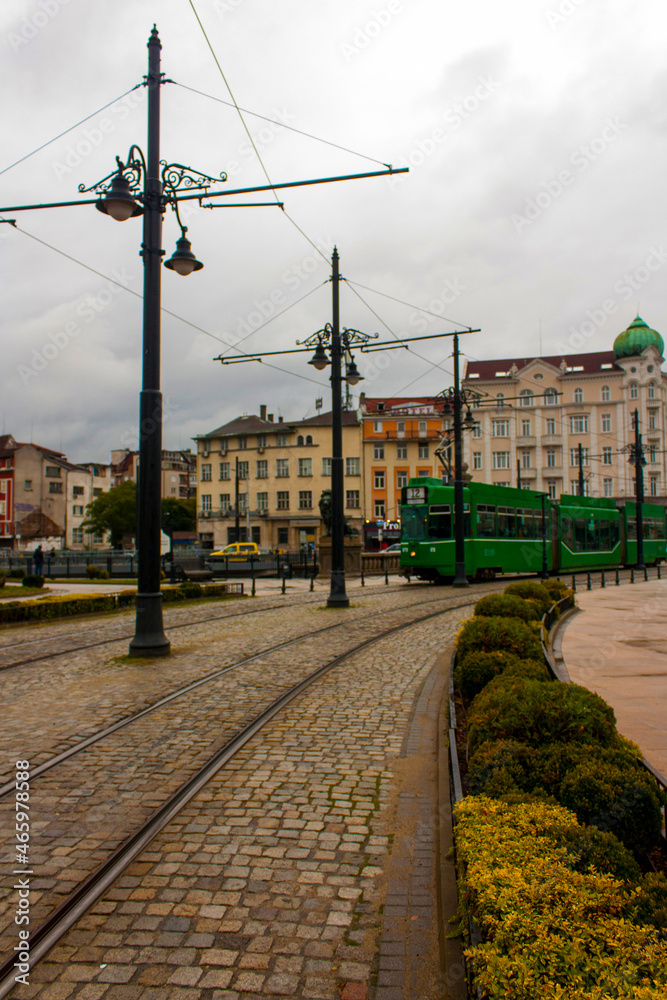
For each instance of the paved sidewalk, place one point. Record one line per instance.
(617, 647)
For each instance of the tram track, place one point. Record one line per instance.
(68, 910)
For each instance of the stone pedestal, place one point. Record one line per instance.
(352, 556)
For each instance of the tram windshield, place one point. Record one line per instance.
(414, 521)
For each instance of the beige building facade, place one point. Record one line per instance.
(545, 423)
(282, 470)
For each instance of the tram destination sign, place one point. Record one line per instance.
(415, 494)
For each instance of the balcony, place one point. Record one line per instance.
(551, 439)
(526, 441)
(552, 472)
(527, 474)
(429, 435)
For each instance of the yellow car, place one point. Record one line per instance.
(238, 551)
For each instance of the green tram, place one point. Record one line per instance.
(509, 531)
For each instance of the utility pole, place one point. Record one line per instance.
(237, 512)
(639, 489)
(581, 470)
(518, 473)
(460, 578)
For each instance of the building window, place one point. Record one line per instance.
(574, 456)
(27, 485)
(423, 472)
(606, 423)
(401, 479)
(77, 536)
(243, 502)
(653, 453)
(282, 500)
(501, 460)
(500, 398)
(652, 419)
(634, 390)
(551, 489)
(651, 390)
(305, 500)
(526, 397)
(262, 501)
(525, 428)
(281, 440)
(500, 428)
(377, 426)
(423, 451)
(77, 491)
(206, 501)
(97, 492)
(578, 395)
(299, 441)
(551, 458)
(400, 428)
(653, 486)
(224, 502)
(243, 470)
(525, 460)
(574, 488)
(262, 469)
(607, 456)
(305, 466)
(550, 397)
(326, 466)
(579, 425)
(261, 440)
(605, 396)
(378, 451)
(608, 487)
(282, 468)
(223, 471)
(477, 460)
(242, 442)
(352, 499)
(55, 487)
(422, 429)
(551, 425)
(378, 480)
(352, 466)
(52, 472)
(378, 509)
(206, 473)
(401, 451)
(77, 511)
(477, 431)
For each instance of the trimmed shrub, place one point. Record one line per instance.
(16, 574)
(505, 606)
(529, 711)
(489, 635)
(649, 906)
(531, 591)
(55, 607)
(617, 798)
(547, 929)
(474, 672)
(32, 580)
(556, 588)
(590, 849)
(93, 572)
(191, 589)
(535, 669)
(2, 580)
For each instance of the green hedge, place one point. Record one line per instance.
(531, 591)
(547, 928)
(473, 673)
(506, 606)
(489, 635)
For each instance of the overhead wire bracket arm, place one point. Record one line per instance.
(409, 340)
(294, 184)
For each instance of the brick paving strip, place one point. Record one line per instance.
(271, 881)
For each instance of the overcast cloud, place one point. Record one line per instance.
(535, 132)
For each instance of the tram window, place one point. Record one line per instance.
(486, 521)
(580, 534)
(413, 524)
(614, 533)
(604, 527)
(440, 521)
(632, 527)
(653, 527)
(506, 522)
(524, 522)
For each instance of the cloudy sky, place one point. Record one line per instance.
(534, 208)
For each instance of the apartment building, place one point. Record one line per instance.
(399, 440)
(43, 497)
(267, 477)
(178, 471)
(539, 419)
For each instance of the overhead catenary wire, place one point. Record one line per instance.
(70, 129)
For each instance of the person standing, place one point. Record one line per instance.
(38, 560)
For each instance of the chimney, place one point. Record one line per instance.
(280, 420)
(262, 412)
(270, 418)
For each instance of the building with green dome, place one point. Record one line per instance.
(548, 406)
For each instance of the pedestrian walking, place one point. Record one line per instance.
(38, 560)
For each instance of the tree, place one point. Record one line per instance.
(178, 515)
(114, 511)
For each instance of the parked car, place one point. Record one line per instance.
(391, 550)
(237, 551)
